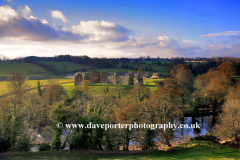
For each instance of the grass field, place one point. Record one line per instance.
(98, 87)
(69, 85)
(31, 84)
(70, 66)
(26, 69)
(188, 151)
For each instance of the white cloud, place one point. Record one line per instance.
(30, 27)
(6, 13)
(25, 11)
(44, 21)
(100, 31)
(226, 33)
(9, 1)
(190, 41)
(163, 38)
(15, 25)
(59, 15)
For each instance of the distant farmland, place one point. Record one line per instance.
(31, 84)
(26, 69)
(70, 66)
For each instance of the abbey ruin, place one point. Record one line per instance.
(103, 77)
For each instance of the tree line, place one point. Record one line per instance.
(22, 112)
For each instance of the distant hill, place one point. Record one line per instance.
(70, 66)
(26, 69)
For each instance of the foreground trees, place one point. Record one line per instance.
(114, 105)
(230, 120)
(164, 106)
(21, 111)
(183, 78)
(213, 86)
(125, 112)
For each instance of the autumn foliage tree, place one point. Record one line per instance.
(125, 111)
(213, 86)
(54, 93)
(227, 68)
(230, 120)
(183, 77)
(182, 74)
(165, 106)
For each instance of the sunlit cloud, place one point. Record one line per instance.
(6, 13)
(190, 41)
(100, 31)
(59, 15)
(23, 34)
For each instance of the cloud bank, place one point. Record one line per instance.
(95, 38)
(25, 26)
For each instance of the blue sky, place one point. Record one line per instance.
(126, 28)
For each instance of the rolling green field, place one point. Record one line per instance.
(31, 84)
(188, 151)
(69, 85)
(70, 66)
(26, 69)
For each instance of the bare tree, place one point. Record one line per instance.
(17, 87)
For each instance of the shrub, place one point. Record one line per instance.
(58, 114)
(23, 143)
(204, 138)
(44, 147)
(76, 91)
(79, 142)
(190, 140)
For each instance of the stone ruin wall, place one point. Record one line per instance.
(102, 77)
(95, 77)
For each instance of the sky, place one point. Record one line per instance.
(120, 28)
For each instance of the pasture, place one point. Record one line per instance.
(32, 84)
(26, 69)
(70, 66)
